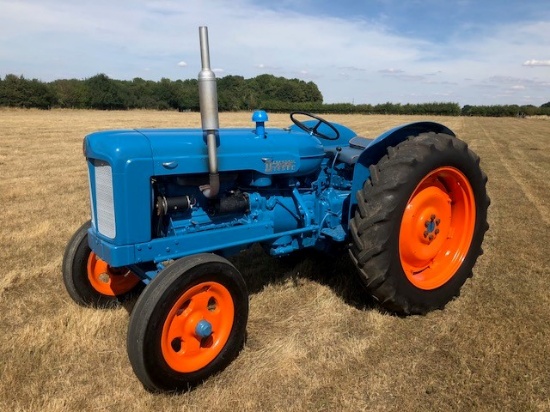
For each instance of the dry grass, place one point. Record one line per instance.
(314, 341)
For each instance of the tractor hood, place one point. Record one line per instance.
(184, 151)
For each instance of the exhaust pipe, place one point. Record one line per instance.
(208, 100)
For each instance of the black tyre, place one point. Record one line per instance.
(419, 223)
(89, 280)
(189, 323)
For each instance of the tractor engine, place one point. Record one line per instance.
(152, 200)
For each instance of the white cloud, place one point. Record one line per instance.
(391, 71)
(182, 64)
(350, 59)
(533, 63)
(264, 67)
(401, 75)
(353, 69)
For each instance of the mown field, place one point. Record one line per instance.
(315, 341)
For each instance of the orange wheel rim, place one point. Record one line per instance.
(197, 327)
(437, 228)
(107, 280)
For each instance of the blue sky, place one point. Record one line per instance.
(465, 51)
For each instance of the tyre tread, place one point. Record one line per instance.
(373, 221)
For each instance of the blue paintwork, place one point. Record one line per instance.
(298, 193)
(203, 329)
(129, 154)
(185, 152)
(260, 117)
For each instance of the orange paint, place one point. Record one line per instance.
(107, 280)
(182, 349)
(437, 228)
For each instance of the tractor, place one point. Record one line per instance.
(170, 206)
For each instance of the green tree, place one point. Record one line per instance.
(188, 95)
(70, 93)
(19, 92)
(312, 93)
(167, 94)
(103, 93)
(289, 92)
(40, 95)
(141, 94)
(13, 91)
(231, 91)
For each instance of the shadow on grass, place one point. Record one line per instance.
(334, 271)
(260, 270)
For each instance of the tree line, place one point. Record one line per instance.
(512, 110)
(103, 93)
(268, 92)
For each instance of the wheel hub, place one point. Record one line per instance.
(203, 329)
(107, 280)
(432, 229)
(437, 227)
(197, 327)
(104, 277)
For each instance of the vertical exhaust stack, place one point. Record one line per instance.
(208, 100)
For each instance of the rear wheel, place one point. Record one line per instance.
(188, 324)
(419, 223)
(89, 280)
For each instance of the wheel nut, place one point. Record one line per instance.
(437, 222)
(426, 234)
(432, 217)
(431, 237)
(436, 231)
(427, 223)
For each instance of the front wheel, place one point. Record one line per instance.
(189, 323)
(89, 280)
(420, 222)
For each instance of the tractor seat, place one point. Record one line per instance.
(350, 154)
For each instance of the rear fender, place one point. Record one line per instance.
(377, 149)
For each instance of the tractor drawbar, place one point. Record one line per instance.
(208, 100)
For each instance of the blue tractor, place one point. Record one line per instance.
(169, 206)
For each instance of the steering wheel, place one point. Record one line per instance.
(314, 131)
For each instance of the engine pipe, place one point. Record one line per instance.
(208, 100)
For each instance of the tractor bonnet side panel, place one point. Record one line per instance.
(183, 151)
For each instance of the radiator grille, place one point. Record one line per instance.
(105, 206)
(92, 204)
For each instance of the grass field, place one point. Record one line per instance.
(315, 342)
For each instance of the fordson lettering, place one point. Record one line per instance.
(272, 166)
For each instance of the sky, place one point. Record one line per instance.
(476, 52)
